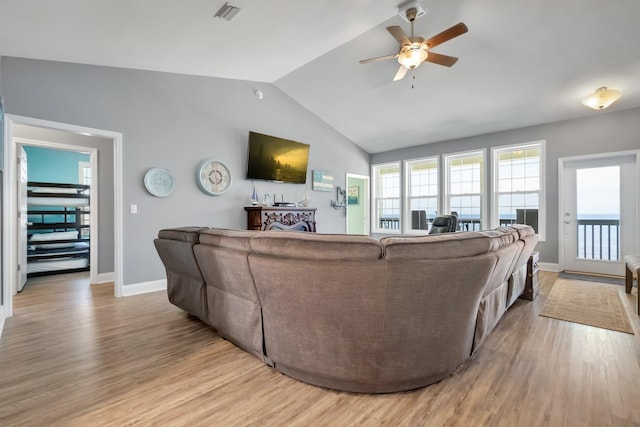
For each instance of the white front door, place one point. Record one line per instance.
(22, 219)
(598, 223)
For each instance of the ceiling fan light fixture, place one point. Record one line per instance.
(412, 58)
(601, 98)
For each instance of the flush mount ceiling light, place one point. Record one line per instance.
(601, 98)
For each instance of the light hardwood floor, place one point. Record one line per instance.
(73, 355)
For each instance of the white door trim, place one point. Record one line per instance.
(9, 221)
(561, 169)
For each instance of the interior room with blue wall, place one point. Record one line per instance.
(51, 165)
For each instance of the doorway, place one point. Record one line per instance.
(598, 212)
(10, 225)
(57, 166)
(358, 204)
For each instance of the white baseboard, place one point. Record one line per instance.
(106, 277)
(144, 287)
(548, 266)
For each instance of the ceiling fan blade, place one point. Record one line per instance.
(399, 35)
(379, 58)
(446, 35)
(402, 71)
(438, 58)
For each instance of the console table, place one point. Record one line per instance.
(281, 218)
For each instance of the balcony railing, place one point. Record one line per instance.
(599, 239)
(390, 223)
(464, 224)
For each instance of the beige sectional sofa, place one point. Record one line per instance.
(349, 312)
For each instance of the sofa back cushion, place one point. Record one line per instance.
(182, 234)
(175, 248)
(316, 246)
(323, 318)
(228, 238)
(185, 284)
(430, 314)
(507, 247)
(233, 304)
(436, 246)
(526, 234)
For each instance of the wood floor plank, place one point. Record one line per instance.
(73, 355)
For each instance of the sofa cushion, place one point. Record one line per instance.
(234, 308)
(436, 246)
(185, 284)
(295, 244)
(227, 238)
(184, 234)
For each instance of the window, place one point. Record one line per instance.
(518, 189)
(84, 172)
(386, 194)
(84, 177)
(422, 192)
(465, 188)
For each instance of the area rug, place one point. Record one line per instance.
(588, 303)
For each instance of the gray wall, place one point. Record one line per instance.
(105, 182)
(604, 132)
(175, 121)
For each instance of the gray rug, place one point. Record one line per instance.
(591, 278)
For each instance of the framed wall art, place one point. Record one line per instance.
(353, 195)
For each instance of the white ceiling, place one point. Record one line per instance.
(521, 63)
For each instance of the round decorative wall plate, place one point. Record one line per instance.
(159, 182)
(213, 177)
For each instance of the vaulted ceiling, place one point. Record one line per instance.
(521, 63)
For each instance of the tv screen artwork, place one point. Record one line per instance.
(277, 159)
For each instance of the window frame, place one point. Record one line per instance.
(495, 172)
(483, 182)
(407, 190)
(375, 220)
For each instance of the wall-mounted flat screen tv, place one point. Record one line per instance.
(277, 159)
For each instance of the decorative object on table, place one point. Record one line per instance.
(353, 195)
(304, 202)
(159, 182)
(588, 303)
(268, 200)
(341, 200)
(254, 196)
(322, 181)
(213, 177)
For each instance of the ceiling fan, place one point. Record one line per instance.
(416, 50)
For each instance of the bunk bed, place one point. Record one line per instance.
(57, 228)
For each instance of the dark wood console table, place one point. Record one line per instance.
(532, 283)
(281, 218)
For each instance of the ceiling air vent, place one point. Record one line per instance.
(227, 11)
